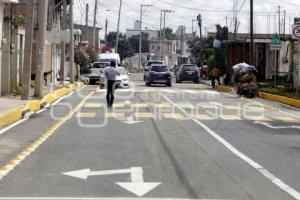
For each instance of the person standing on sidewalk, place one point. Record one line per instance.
(111, 74)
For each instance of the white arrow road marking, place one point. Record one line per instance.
(85, 173)
(269, 125)
(137, 185)
(131, 121)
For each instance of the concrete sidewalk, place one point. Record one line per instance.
(11, 102)
(13, 109)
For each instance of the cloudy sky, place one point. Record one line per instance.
(184, 11)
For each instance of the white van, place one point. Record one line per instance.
(110, 57)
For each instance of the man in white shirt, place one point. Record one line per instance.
(111, 74)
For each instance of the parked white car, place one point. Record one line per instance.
(123, 79)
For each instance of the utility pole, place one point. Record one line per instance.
(40, 50)
(193, 32)
(251, 34)
(279, 23)
(118, 27)
(181, 41)
(71, 51)
(105, 36)
(160, 35)
(163, 18)
(26, 80)
(284, 17)
(199, 18)
(63, 44)
(140, 42)
(94, 25)
(226, 18)
(87, 20)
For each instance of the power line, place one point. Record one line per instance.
(190, 8)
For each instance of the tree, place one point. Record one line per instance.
(169, 33)
(111, 39)
(207, 49)
(92, 54)
(222, 32)
(81, 58)
(125, 50)
(135, 43)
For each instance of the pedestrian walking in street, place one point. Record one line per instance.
(215, 75)
(111, 74)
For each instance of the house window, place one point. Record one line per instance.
(152, 46)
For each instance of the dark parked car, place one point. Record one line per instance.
(148, 65)
(159, 74)
(188, 72)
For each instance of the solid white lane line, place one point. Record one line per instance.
(11, 126)
(291, 191)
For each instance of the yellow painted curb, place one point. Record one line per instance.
(10, 117)
(33, 106)
(222, 88)
(49, 98)
(280, 99)
(80, 85)
(72, 87)
(61, 92)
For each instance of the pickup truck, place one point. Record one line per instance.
(96, 73)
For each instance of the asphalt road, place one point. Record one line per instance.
(184, 142)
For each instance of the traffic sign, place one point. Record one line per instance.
(276, 39)
(296, 31)
(276, 42)
(297, 20)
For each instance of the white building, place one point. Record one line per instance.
(152, 34)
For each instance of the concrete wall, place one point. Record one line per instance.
(167, 47)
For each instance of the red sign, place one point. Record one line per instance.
(296, 31)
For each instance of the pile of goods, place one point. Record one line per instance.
(245, 78)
